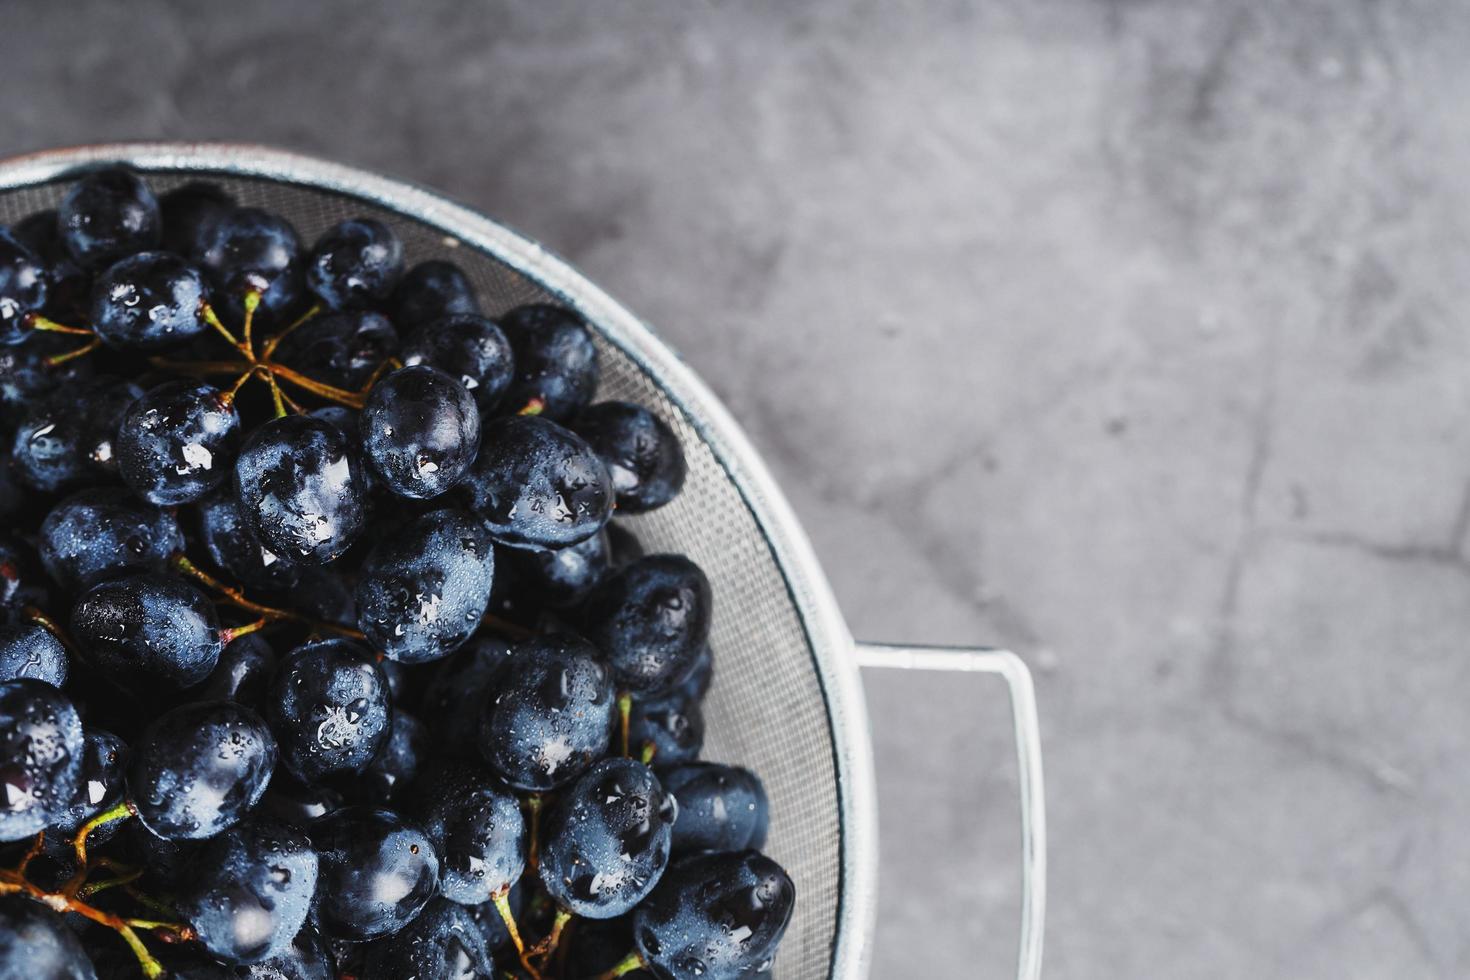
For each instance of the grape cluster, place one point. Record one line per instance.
(320, 654)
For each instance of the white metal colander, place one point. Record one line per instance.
(787, 699)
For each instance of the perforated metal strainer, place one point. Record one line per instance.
(787, 699)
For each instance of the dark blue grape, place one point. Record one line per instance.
(41, 751)
(326, 594)
(250, 890)
(672, 725)
(651, 618)
(100, 533)
(308, 957)
(477, 829)
(298, 804)
(329, 708)
(378, 871)
(468, 347)
(388, 779)
(148, 630)
(25, 377)
(235, 550)
(242, 674)
(23, 282)
(563, 577)
(721, 808)
(65, 440)
(166, 862)
(606, 842)
(460, 687)
(356, 263)
(178, 442)
(431, 290)
(342, 348)
(443, 941)
(107, 215)
(420, 431)
(101, 785)
(642, 454)
(551, 717)
(424, 588)
(35, 944)
(538, 485)
(69, 287)
(22, 583)
(695, 684)
(715, 917)
(200, 768)
(30, 650)
(300, 490)
(188, 212)
(555, 360)
(249, 250)
(148, 302)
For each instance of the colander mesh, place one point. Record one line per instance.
(766, 710)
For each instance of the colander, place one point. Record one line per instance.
(787, 699)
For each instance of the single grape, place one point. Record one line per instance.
(35, 944)
(356, 263)
(299, 489)
(695, 684)
(650, 618)
(147, 630)
(420, 431)
(389, 778)
(101, 785)
(460, 686)
(555, 360)
(235, 550)
(550, 718)
(65, 440)
(308, 957)
(23, 282)
(22, 583)
(326, 594)
(41, 751)
(431, 290)
(562, 577)
(188, 212)
(104, 532)
(642, 453)
(69, 286)
(250, 890)
(107, 215)
(378, 871)
(26, 378)
(200, 768)
(477, 829)
(721, 808)
(340, 348)
(148, 302)
(31, 650)
(538, 485)
(424, 587)
(672, 725)
(177, 442)
(468, 347)
(247, 250)
(328, 705)
(715, 917)
(443, 941)
(290, 800)
(606, 841)
(242, 674)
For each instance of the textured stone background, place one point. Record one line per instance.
(1129, 334)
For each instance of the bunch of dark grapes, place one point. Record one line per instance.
(319, 654)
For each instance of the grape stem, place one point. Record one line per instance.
(633, 961)
(533, 809)
(56, 360)
(46, 324)
(547, 946)
(625, 713)
(184, 566)
(120, 812)
(501, 901)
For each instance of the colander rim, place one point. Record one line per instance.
(829, 640)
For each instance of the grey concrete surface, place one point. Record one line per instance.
(1130, 334)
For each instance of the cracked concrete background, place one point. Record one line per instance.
(1129, 334)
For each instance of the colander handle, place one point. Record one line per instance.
(1028, 754)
